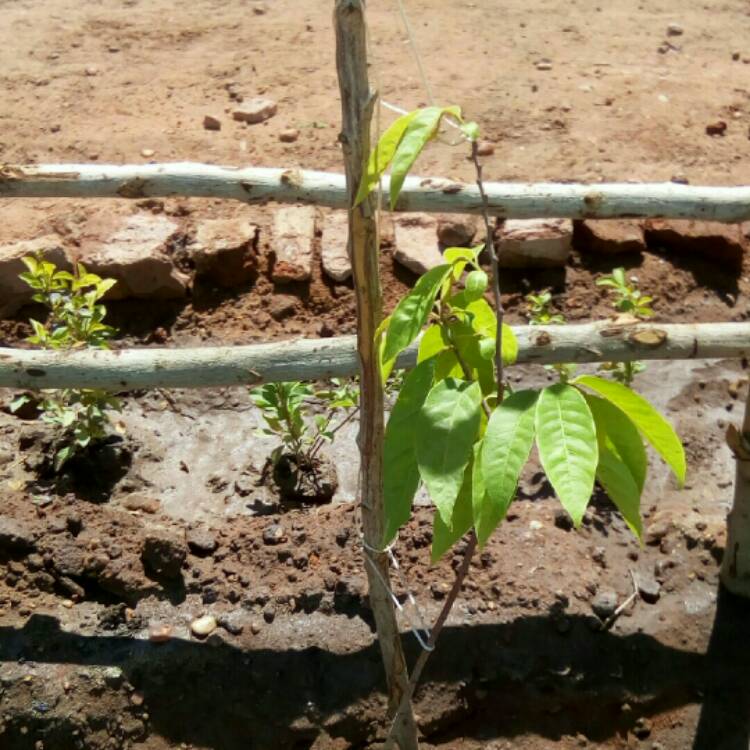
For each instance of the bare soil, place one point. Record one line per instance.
(181, 523)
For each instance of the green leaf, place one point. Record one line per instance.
(382, 155)
(17, 403)
(476, 284)
(566, 438)
(651, 424)
(505, 451)
(419, 131)
(484, 322)
(412, 312)
(400, 472)
(615, 476)
(386, 367)
(431, 343)
(617, 434)
(456, 254)
(444, 536)
(447, 366)
(446, 429)
(467, 342)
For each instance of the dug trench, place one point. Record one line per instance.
(174, 601)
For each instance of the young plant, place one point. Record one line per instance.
(630, 301)
(627, 297)
(457, 428)
(74, 321)
(539, 310)
(287, 414)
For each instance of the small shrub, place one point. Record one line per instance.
(75, 321)
(287, 409)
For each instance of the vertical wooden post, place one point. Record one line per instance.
(735, 568)
(357, 102)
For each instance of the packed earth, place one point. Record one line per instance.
(161, 593)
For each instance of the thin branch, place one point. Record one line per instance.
(613, 617)
(490, 247)
(319, 441)
(461, 574)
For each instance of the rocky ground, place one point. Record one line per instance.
(160, 596)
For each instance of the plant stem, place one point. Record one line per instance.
(319, 441)
(490, 247)
(416, 673)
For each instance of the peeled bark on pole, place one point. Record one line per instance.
(258, 185)
(357, 102)
(735, 567)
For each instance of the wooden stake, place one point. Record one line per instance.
(357, 102)
(735, 567)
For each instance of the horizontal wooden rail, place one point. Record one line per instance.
(259, 185)
(305, 359)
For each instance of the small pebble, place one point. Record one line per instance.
(203, 626)
(674, 29)
(485, 148)
(147, 153)
(718, 128)
(211, 123)
(649, 589)
(290, 135)
(604, 604)
(273, 534)
(159, 632)
(642, 729)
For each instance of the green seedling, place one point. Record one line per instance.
(287, 410)
(74, 321)
(628, 300)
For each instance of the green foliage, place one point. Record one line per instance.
(649, 422)
(447, 427)
(287, 412)
(630, 301)
(539, 310)
(568, 448)
(75, 320)
(400, 470)
(450, 430)
(401, 144)
(505, 450)
(627, 297)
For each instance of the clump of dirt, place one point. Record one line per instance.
(304, 480)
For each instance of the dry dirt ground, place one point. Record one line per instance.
(523, 663)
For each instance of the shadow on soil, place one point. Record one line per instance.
(522, 674)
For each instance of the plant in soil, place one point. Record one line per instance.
(460, 430)
(627, 300)
(74, 320)
(299, 470)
